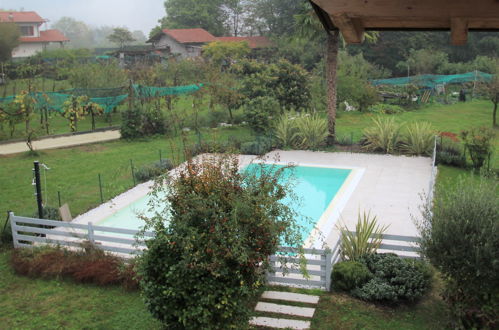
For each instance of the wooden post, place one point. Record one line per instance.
(91, 238)
(13, 226)
(329, 268)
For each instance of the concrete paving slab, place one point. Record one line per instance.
(285, 309)
(280, 323)
(290, 296)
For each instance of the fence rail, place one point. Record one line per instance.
(315, 263)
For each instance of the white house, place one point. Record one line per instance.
(189, 42)
(182, 42)
(33, 38)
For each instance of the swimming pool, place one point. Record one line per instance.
(316, 187)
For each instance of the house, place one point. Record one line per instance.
(33, 38)
(188, 43)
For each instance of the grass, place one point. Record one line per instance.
(74, 171)
(58, 304)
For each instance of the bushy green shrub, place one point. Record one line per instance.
(131, 124)
(231, 146)
(258, 147)
(150, 171)
(478, 142)
(216, 117)
(49, 212)
(348, 275)
(153, 122)
(388, 109)
(394, 279)
(6, 234)
(259, 112)
(418, 139)
(215, 229)
(383, 135)
(459, 235)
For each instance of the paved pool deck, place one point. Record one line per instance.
(388, 186)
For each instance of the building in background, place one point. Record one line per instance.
(33, 38)
(188, 43)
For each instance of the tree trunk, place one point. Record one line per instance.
(331, 65)
(494, 118)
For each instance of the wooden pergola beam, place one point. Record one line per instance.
(350, 28)
(353, 17)
(459, 31)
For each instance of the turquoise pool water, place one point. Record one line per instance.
(315, 188)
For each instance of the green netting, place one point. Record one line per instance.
(50, 101)
(431, 80)
(96, 92)
(7, 99)
(109, 103)
(151, 92)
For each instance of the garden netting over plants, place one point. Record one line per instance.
(432, 80)
(107, 98)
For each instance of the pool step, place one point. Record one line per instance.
(282, 308)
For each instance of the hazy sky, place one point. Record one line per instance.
(135, 14)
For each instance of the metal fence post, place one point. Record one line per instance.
(91, 233)
(100, 189)
(133, 173)
(59, 197)
(329, 266)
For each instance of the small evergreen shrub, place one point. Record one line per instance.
(131, 124)
(257, 147)
(150, 171)
(348, 275)
(259, 112)
(478, 142)
(311, 131)
(388, 109)
(418, 139)
(395, 279)
(153, 122)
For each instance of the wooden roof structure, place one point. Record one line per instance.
(353, 17)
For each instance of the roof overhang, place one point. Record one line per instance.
(354, 17)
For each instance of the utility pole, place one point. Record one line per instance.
(38, 186)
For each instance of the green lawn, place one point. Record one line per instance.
(74, 171)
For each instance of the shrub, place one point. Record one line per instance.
(478, 142)
(6, 234)
(258, 147)
(348, 275)
(285, 131)
(366, 238)
(149, 172)
(131, 124)
(153, 122)
(88, 265)
(49, 212)
(212, 243)
(419, 139)
(394, 279)
(214, 146)
(383, 135)
(216, 117)
(259, 112)
(388, 109)
(459, 237)
(311, 131)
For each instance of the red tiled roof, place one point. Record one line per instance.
(46, 36)
(189, 35)
(253, 42)
(20, 17)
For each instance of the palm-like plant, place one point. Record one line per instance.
(366, 239)
(418, 139)
(285, 131)
(312, 131)
(383, 135)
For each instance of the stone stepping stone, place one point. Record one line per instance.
(285, 309)
(280, 323)
(289, 296)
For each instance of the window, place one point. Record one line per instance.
(27, 31)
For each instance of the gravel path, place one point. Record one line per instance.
(60, 142)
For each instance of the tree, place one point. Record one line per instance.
(77, 31)
(234, 11)
(121, 36)
(9, 39)
(226, 52)
(491, 90)
(274, 17)
(212, 243)
(188, 14)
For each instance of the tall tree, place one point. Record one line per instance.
(121, 36)
(184, 14)
(9, 39)
(274, 17)
(77, 31)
